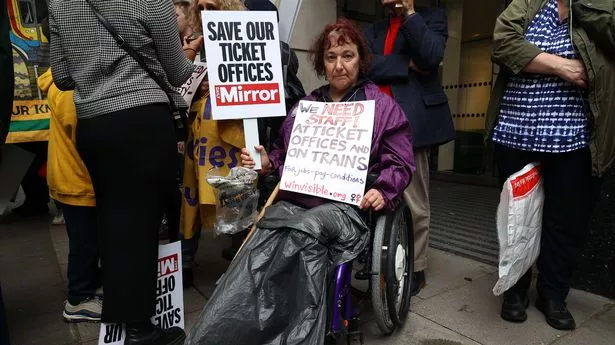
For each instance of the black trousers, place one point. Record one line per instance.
(130, 155)
(174, 203)
(84, 275)
(34, 186)
(567, 209)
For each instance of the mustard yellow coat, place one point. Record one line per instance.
(210, 144)
(68, 179)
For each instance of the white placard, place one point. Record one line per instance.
(328, 154)
(250, 130)
(245, 64)
(188, 90)
(169, 296)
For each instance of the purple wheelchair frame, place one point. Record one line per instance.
(342, 299)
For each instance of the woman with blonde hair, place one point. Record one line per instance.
(214, 5)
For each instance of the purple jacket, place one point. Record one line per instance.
(391, 156)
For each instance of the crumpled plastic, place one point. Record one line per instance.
(519, 223)
(236, 199)
(275, 291)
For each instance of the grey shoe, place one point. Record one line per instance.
(89, 310)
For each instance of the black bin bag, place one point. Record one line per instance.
(275, 291)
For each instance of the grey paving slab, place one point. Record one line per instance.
(447, 271)
(209, 264)
(58, 234)
(41, 329)
(598, 330)
(190, 320)
(473, 311)
(193, 300)
(417, 331)
(33, 289)
(88, 331)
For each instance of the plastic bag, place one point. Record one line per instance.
(519, 223)
(236, 199)
(275, 290)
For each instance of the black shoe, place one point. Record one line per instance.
(556, 313)
(187, 277)
(418, 282)
(514, 306)
(148, 334)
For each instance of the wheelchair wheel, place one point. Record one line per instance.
(400, 265)
(392, 261)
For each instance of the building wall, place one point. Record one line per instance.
(313, 16)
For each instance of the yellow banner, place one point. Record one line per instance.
(29, 122)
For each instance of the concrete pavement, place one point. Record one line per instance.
(456, 307)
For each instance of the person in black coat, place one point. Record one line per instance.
(408, 48)
(7, 79)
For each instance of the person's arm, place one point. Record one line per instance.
(386, 69)
(396, 157)
(277, 156)
(426, 35)
(597, 17)
(571, 70)
(59, 64)
(274, 160)
(510, 48)
(163, 29)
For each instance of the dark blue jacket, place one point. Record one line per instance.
(422, 38)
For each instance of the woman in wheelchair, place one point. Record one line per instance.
(276, 290)
(342, 55)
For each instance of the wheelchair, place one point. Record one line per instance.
(387, 263)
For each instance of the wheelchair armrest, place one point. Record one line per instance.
(371, 179)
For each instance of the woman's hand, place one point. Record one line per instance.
(248, 162)
(192, 46)
(408, 6)
(572, 71)
(374, 199)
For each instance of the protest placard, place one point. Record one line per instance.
(329, 149)
(188, 90)
(245, 64)
(169, 297)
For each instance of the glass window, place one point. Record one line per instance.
(26, 12)
(32, 12)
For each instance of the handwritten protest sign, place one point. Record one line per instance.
(169, 297)
(243, 54)
(188, 90)
(329, 150)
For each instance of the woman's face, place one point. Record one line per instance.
(341, 65)
(208, 5)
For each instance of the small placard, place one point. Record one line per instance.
(328, 154)
(169, 297)
(245, 64)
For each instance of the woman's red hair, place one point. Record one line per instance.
(348, 33)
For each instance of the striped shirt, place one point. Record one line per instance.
(85, 57)
(539, 112)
